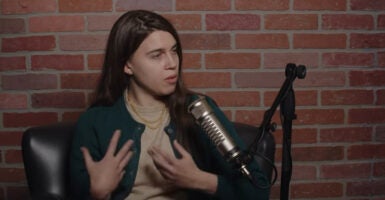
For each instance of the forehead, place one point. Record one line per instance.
(157, 40)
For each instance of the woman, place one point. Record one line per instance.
(137, 140)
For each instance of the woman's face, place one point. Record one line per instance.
(154, 66)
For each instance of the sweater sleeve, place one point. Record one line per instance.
(231, 183)
(83, 137)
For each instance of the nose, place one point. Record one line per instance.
(172, 60)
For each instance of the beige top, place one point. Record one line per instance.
(149, 183)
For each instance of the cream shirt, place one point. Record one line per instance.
(149, 183)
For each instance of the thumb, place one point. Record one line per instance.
(87, 157)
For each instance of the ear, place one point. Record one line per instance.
(127, 69)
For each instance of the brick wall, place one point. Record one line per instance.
(235, 51)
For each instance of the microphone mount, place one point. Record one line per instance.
(285, 98)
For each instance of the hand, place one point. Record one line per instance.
(182, 172)
(106, 174)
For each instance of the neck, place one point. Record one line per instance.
(143, 99)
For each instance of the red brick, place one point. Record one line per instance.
(82, 42)
(29, 43)
(12, 25)
(381, 22)
(71, 116)
(101, 22)
(28, 6)
(335, 5)
(304, 172)
(253, 117)
(285, 21)
(13, 156)
(346, 135)
(58, 62)
(29, 119)
(232, 22)
(95, 61)
(79, 81)
(302, 98)
(365, 188)
(381, 59)
(345, 171)
(367, 5)
(10, 138)
(380, 100)
(12, 174)
(205, 41)
(29, 81)
(71, 6)
(347, 22)
(203, 5)
(56, 23)
(347, 97)
(185, 21)
(233, 60)
(322, 78)
(379, 169)
(262, 5)
(320, 153)
(13, 101)
(207, 79)
(280, 60)
(319, 41)
(238, 98)
(366, 115)
(262, 41)
(12, 63)
(348, 59)
(258, 79)
(59, 100)
(316, 190)
(319, 116)
(192, 61)
(366, 151)
(367, 78)
(299, 136)
(379, 134)
(159, 5)
(370, 40)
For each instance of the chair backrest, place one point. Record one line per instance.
(46, 157)
(46, 160)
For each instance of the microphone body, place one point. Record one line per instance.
(205, 117)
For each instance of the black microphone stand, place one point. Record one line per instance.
(286, 100)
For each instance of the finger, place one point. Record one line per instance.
(124, 150)
(87, 157)
(125, 160)
(160, 160)
(113, 143)
(121, 175)
(182, 151)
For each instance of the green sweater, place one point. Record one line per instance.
(94, 131)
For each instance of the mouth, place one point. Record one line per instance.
(172, 79)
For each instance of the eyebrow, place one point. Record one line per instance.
(160, 49)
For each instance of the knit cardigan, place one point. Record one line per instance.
(96, 126)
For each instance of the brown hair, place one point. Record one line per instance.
(126, 35)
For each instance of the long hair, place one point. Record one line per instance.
(126, 35)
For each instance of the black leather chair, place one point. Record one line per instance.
(46, 157)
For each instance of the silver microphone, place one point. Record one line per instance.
(205, 117)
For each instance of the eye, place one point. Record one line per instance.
(156, 55)
(174, 50)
